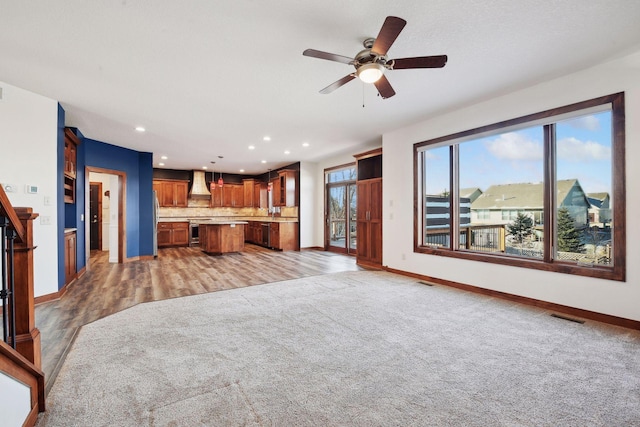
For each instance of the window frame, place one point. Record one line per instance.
(547, 263)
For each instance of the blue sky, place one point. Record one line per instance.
(583, 152)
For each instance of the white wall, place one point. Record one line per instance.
(28, 140)
(604, 296)
(307, 203)
(15, 401)
(319, 190)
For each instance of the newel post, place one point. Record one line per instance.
(27, 335)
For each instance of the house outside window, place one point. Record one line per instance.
(534, 176)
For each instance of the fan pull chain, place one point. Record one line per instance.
(362, 95)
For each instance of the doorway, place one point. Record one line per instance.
(340, 209)
(95, 216)
(112, 194)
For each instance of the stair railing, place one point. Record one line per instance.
(7, 236)
(20, 350)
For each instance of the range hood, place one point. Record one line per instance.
(199, 188)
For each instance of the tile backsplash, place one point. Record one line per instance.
(205, 211)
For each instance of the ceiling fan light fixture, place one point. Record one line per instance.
(370, 73)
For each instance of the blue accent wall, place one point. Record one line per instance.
(147, 204)
(138, 168)
(77, 209)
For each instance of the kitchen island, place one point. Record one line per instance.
(219, 237)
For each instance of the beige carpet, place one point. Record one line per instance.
(348, 349)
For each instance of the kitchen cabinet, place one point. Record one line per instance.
(284, 188)
(171, 194)
(173, 234)
(70, 256)
(217, 239)
(228, 196)
(282, 236)
(233, 195)
(71, 143)
(216, 195)
(255, 194)
(253, 232)
(369, 208)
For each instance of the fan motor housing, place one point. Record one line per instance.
(366, 57)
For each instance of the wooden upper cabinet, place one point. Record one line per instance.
(284, 188)
(172, 194)
(260, 195)
(157, 187)
(255, 193)
(71, 143)
(228, 196)
(249, 194)
(233, 195)
(275, 192)
(216, 195)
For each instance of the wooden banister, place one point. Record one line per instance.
(7, 210)
(27, 335)
(24, 363)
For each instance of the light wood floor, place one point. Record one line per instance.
(108, 288)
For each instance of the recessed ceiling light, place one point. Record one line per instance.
(266, 138)
(264, 161)
(287, 152)
(251, 147)
(241, 170)
(164, 157)
(140, 129)
(204, 167)
(160, 164)
(305, 144)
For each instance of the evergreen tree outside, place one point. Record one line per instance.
(568, 236)
(521, 227)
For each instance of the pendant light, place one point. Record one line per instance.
(220, 181)
(269, 184)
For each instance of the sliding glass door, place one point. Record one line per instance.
(340, 211)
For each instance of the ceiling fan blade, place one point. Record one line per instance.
(438, 61)
(388, 34)
(384, 87)
(328, 56)
(335, 85)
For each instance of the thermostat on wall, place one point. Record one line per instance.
(32, 189)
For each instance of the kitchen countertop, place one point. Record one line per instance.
(218, 220)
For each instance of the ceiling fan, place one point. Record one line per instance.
(371, 63)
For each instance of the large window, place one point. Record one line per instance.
(544, 191)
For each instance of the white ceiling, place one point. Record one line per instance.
(209, 78)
